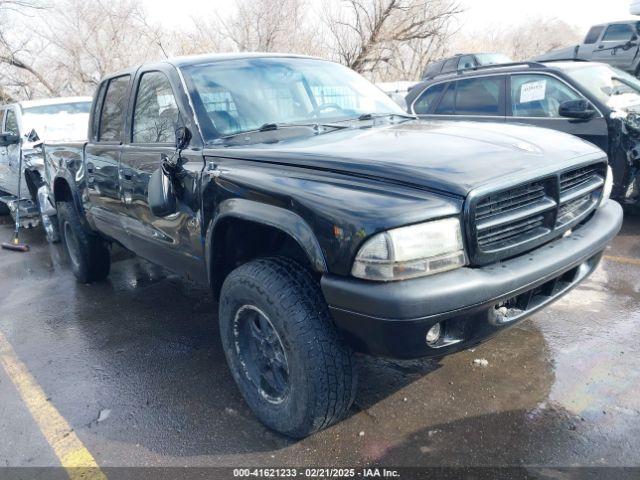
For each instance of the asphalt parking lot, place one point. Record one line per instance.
(133, 367)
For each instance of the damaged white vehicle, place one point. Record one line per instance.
(26, 126)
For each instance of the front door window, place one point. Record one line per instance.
(539, 96)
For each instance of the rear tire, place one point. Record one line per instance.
(88, 254)
(311, 381)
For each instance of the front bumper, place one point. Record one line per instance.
(472, 304)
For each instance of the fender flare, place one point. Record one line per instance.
(64, 175)
(279, 218)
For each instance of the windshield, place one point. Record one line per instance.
(492, 58)
(611, 86)
(242, 95)
(62, 122)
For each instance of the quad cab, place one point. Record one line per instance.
(325, 219)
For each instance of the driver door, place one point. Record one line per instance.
(173, 241)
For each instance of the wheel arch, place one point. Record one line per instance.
(281, 232)
(62, 190)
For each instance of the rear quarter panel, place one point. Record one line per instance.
(64, 162)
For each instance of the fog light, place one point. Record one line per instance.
(433, 335)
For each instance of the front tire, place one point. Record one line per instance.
(50, 225)
(283, 350)
(88, 254)
(4, 209)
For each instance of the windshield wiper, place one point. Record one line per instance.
(265, 127)
(372, 116)
(271, 126)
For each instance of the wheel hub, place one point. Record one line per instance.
(261, 353)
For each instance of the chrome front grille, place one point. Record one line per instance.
(510, 221)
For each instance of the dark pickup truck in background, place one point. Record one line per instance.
(325, 219)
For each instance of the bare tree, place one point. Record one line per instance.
(15, 51)
(67, 46)
(87, 40)
(263, 25)
(367, 33)
(521, 41)
(539, 35)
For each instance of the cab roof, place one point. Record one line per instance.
(207, 58)
(219, 57)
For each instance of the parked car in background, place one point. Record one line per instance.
(463, 61)
(34, 122)
(593, 101)
(397, 91)
(614, 43)
(325, 219)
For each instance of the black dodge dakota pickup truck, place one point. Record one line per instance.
(325, 219)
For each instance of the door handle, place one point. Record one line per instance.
(127, 173)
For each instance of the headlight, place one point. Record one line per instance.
(608, 186)
(414, 251)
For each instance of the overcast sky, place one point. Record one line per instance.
(479, 13)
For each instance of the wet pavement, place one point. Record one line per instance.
(135, 366)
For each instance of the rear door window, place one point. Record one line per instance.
(539, 96)
(618, 33)
(447, 103)
(473, 96)
(97, 108)
(593, 35)
(479, 96)
(428, 98)
(113, 108)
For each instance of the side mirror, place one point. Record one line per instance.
(33, 136)
(7, 139)
(160, 193)
(183, 137)
(578, 109)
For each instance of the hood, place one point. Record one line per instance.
(449, 157)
